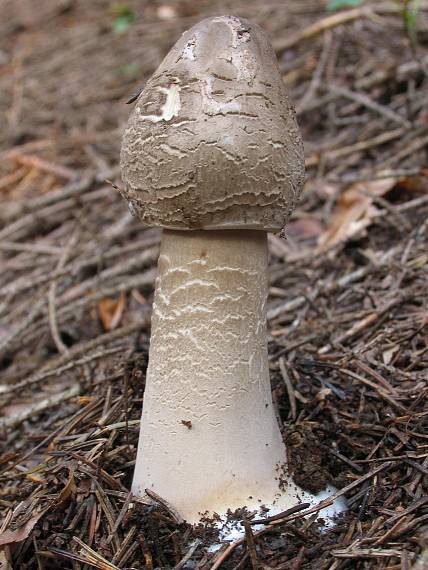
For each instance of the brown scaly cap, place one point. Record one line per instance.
(213, 141)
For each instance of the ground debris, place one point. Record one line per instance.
(347, 312)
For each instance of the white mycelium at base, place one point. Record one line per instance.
(231, 530)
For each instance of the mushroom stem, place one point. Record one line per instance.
(209, 437)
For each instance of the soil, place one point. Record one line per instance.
(347, 310)
(306, 459)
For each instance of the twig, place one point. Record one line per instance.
(93, 557)
(382, 393)
(328, 502)
(356, 275)
(317, 76)
(125, 546)
(251, 545)
(39, 407)
(50, 437)
(282, 515)
(40, 164)
(366, 553)
(321, 26)
(364, 323)
(24, 224)
(290, 390)
(34, 248)
(120, 517)
(60, 364)
(69, 310)
(372, 105)
(73, 189)
(35, 379)
(342, 151)
(52, 295)
(22, 326)
(166, 505)
(414, 146)
(188, 555)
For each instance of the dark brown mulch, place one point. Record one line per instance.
(348, 319)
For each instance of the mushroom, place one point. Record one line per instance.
(212, 153)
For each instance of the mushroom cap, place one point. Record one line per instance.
(213, 142)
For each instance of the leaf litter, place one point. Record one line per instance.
(347, 310)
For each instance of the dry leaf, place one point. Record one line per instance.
(389, 354)
(139, 297)
(354, 211)
(84, 400)
(67, 491)
(322, 394)
(35, 478)
(304, 228)
(20, 534)
(111, 311)
(23, 532)
(17, 407)
(412, 186)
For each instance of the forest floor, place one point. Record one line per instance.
(347, 311)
